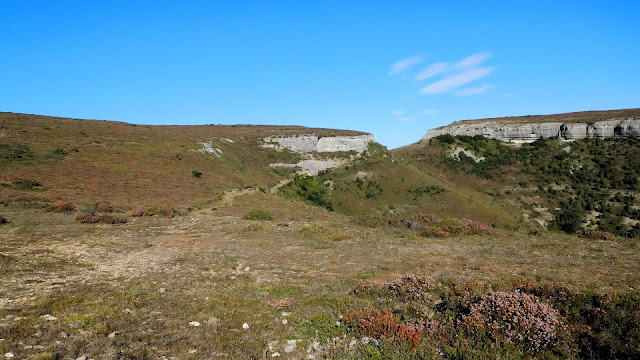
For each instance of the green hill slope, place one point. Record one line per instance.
(587, 183)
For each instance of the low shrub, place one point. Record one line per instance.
(253, 227)
(258, 214)
(518, 318)
(432, 226)
(26, 184)
(107, 207)
(3, 220)
(467, 319)
(105, 219)
(62, 207)
(279, 304)
(196, 174)
(141, 213)
(383, 325)
(160, 211)
(595, 235)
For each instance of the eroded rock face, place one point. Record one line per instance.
(543, 130)
(309, 143)
(313, 167)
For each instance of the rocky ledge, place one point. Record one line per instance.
(517, 129)
(309, 143)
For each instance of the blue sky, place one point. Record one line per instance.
(392, 68)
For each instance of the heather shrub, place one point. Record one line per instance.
(253, 227)
(407, 287)
(105, 219)
(62, 207)
(3, 220)
(595, 235)
(518, 319)
(279, 304)
(258, 214)
(141, 213)
(411, 286)
(383, 325)
(604, 325)
(475, 320)
(106, 207)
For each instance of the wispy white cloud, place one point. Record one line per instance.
(474, 91)
(429, 112)
(397, 112)
(404, 64)
(432, 70)
(457, 80)
(407, 119)
(473, 60)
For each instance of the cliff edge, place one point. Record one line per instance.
(569, 126)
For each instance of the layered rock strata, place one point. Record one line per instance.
(518, 131)
(311, 143)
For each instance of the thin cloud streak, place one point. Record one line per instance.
(404, 64)
(429, 112)
(455, 81)
(432, 70)
(407, 119)
(474, 91)
(473, 60)
(397, 112)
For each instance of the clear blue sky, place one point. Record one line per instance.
(392, 68)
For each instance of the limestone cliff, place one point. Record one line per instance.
(529, 128)
(310, 143)
(307, 145)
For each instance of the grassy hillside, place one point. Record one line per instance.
(584, 184)
(139, 167)
(379, 187)
(83, 161)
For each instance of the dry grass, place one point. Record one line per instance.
(148, 279)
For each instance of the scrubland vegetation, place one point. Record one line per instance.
(393, 256)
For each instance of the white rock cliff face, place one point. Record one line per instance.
(524, 132)
(309, 143)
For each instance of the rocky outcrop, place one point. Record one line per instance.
(519, 131)
(307, 145)
(311, 143)
(312, 167)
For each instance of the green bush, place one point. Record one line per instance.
(15, 153)
(26, 184)
(196, 174)
(258, 214)
(308, 189)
